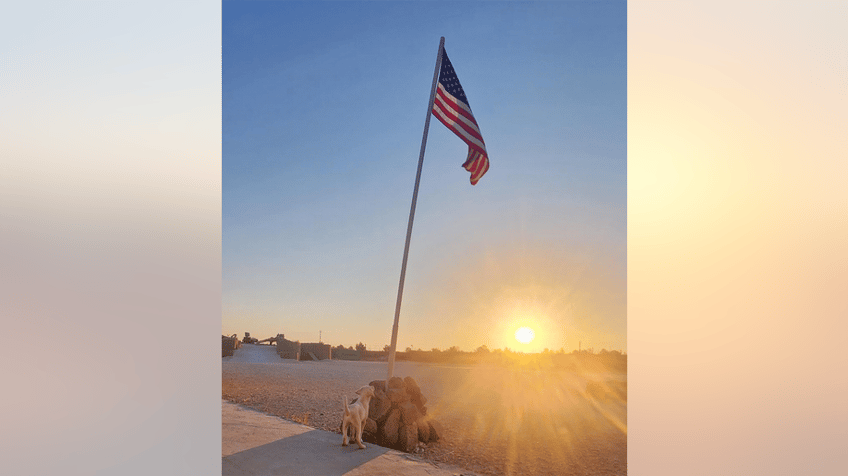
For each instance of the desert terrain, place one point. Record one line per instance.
(497, 420)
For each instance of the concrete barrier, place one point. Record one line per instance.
(318, 350)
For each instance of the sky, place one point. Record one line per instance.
(323, 109)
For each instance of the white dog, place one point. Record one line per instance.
(356, 414)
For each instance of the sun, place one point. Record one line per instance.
(524, 335)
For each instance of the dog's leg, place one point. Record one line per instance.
(359, 428)
(345, 421)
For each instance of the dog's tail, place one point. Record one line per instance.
(347, 410)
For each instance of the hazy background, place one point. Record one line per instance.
(323, 111)
(110, 196)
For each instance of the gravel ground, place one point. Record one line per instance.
(496, 421)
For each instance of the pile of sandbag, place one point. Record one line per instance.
(397, 416)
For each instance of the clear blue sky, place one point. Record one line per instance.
(323, 110)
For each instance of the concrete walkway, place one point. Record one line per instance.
(254, 443)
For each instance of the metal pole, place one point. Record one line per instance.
(412, 210)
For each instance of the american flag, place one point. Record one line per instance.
(451, 107)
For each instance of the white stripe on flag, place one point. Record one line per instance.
(458, 130)
(460, 104)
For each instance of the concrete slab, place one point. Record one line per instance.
(263, 445)
(314, 453)
(244, 428)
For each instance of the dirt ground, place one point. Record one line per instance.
(496, 421)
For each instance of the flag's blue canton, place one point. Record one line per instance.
(448, 78)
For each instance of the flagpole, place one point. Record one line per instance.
(412, 210)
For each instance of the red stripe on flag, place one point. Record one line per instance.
(453, 109)
(461, 133)
(457, 122)
(456, 104)
(456, 115)
(477, 164)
